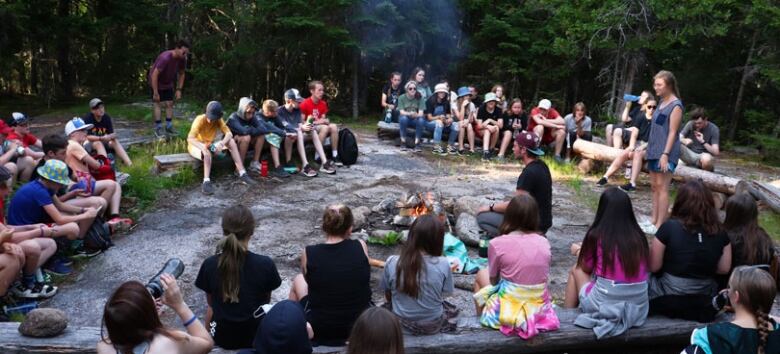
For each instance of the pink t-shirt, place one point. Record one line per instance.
(521, 259)
(616, 273)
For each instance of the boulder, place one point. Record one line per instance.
(360, 217)
(467, 230)
(385, 206)
(44, 322)
(469, 204)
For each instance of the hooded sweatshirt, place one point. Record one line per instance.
(240, 126)
(283, 330)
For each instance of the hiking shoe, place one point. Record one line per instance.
(309, 171)
(56, 266)
(500, 159)
(403, 146)
(207, 188)
(418, 148)
(279, 172)
(558, 159)
(34, 291)
(169, 130)
(247, 179)
(118, 224)
(486, 156)
(603, 181)
(337, 161)
(255, 167)
(328, 167)
(84, 253)
(452, 150)
(628, 187)
(438, 150)
(159, 133)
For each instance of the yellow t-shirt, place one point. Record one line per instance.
(204, 131)
(74, 156)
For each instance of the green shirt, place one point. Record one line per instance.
(410, 104)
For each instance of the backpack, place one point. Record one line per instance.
(105, 171)
(98, 236)
(348, 147)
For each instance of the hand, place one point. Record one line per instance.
(156, 97)
(448, 121)
(686, 141)
(90, 212)
(699, 136)
(171, 293)
(306, 127)
(220, 146)
(6, 234)
(79, 192)
(178, 95)
(663, 163)
(390, 107)
(13, 249)
(575, 248)
(483, 209)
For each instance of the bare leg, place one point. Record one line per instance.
(617, 138)
(88, 202)
(70, 230)
(654, 185)
(106, 189)
(275, 156)
(26, 165)
(577, 279)
(168, 110)
(486, 139)
(156, 110)
(663, 198)
(560, 138)
(288, 145)
(236, 158)
(243, 142)
(505, 140)
(625, 155)
(32, 255)
(539, 131)
(318, 146)
(99, 148)
(634, 135)
(636, 165)
(9, 270)
(302, 148)
(120, 151)
(707, 162)
(494, 134)
(334, 137)
(461, 135)
(299, 288)
(259, 141)
(12, 170)
(608, 134)
(470, 134)
(480, 281)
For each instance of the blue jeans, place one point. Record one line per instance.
(438, 129)
(405, 121)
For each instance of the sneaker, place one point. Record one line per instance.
(452, 150)
(309, 171)
(500, 159)
(56, 266)
(418, 148)
(602, 182)
(247, 180)
(169, 130)
(486, 156)
(558, 159)
(337, 161)
(254, 166)
(122, 178)
(84, 253)
(207, 188)
(22, 291)
(290, 168)
(118, 224)
(328, 167)
(628, 187)
(403, 147)
(159, 133)
(279, 172)
(461, 152)
(438, 150)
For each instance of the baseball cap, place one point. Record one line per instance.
(214, 110)
(76, 124)
(530, 141)
(17, 119)
(545, 104)
(93, 103)
(490, 97)
(293, 94)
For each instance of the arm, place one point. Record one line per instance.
(626, 116)
(8, 155)
(61, 219)
(91, 162)
(198, 340)
(155, 76)
(724, 263)
(713, 146)
(685, 131)
(209, 310)
(235, 126)
(227, 138)
(180, 83)
(657, 255)
(385, 105)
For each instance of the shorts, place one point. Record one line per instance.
(234, 335)
(82, 184)
(166, 95)
(198, 153)
(652, 166)
(690, 157)
(547, 137)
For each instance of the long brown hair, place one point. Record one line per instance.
(522, 214)
(670, 81)
(757, 290)
(742, 226)
(425, 235)
(617, 233)
(695, 208)
(130, 317)
(238, 224)
(376, 331)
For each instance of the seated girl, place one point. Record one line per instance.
(689, 250)
(334, 288)
(512, 294)
(416, 282)
(376, 331)
(750, 244)
(485, 125)
(283, 330)
(609, 281)
(751, 293)
(237, 282)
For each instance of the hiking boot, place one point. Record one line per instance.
(418, 148)
(279, 172)
(337, 161)
(438, 150)
(328, 167)
(602, 182)
(628, 187)
(452, 150)
(169, 130)
(207, 188)
(56, 266)
(246, 179)
(309, 171)
(159, 133)
(486, 156)
(118, 224)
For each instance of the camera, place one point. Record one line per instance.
(174, 267)
(721, 300)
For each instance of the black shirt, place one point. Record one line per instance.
(536, 180)
(392, 94)
(643, 124)
(635, 113)
(104, 127)
(510, 119)
(434, 107)
(483, 114)
(690, 254)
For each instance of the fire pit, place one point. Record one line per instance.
(418, 204)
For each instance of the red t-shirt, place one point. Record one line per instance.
(551, 114)
(27, 140)
(318, 110)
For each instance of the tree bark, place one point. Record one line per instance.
(628, 83)
(63, 51)
(741, 91)
(355, 83)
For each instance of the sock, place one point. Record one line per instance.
(158, 124)
(207, 179)
(335, 154)
(241, 173)
(113, 216)
(604, 177)
(29, 280)
(169, 122)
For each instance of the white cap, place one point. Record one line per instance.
(545, 104)
(76, 124)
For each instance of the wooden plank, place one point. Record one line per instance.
(164, 163)
(77, 340)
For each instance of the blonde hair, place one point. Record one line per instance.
(580, 105)
(270, 106)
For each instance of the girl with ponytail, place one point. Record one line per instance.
(237, 282)
(751, 293)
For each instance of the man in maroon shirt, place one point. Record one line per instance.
(167, 72)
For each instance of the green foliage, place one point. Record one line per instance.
(769, 148)
(770, 221)
(392, 239)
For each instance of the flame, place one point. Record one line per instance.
(419, 210)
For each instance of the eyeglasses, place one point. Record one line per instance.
(651, 107)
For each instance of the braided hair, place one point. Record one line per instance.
(756, 289)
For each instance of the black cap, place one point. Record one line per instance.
(214, 110)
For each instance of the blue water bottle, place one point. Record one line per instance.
(630, 98)
(20, 309)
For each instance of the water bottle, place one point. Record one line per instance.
(264, 168)
(213, 147)
(388, 116)
(630, 98)
(484, 241)
(174, 267)
(20, 309)
(628, 170)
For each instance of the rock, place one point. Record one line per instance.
(403, 220)
(385, 206)
(360, 216)
(360, 235)
(44, 322)
(467, 230)
(380, 234)
(469, 205)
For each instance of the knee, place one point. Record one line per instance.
(207, 157)
(30, 248)
(97, 145)
(439, 124)
(11, 167)
(243, 139)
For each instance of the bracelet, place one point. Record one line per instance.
(191, 320)
(666, 153)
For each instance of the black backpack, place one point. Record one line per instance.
(98, 236)
(348, 147)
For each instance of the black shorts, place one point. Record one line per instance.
(165, 95)
(626, 135)
(234, 335)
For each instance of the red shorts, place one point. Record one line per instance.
(547, 137)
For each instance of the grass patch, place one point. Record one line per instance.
(570, 176)
(770, 221)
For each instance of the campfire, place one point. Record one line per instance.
(418, 204)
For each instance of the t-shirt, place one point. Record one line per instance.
(435, 282)
(643, 124)
(74, 156)
(483, 114)
(101, 128)
(551, 114)
(521, 259)
(317, 110)
(205, 131)
(26, 206)
(615, 273)
(414, 104)
(27, 140)
(571, 123)
(510, 119)
(259, 278)
(635, 114)
(169, 69)
(536, 180)
(690, 254)
(392, 94)
(711, 135)
(290, 120)
(436, 108)
(469, 109)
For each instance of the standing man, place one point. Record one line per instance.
(314, 111)
(166, 78)
(534, 180)
(700, 140)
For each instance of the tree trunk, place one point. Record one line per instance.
(741, 91)
(63, 51)
(613, 88)
(355, 83)
(628, 83)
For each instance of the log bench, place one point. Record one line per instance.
(393, 130)
(658, 334)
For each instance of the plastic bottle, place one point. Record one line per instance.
(174, 267)
(628, 170)
(484, 241)
(388, 116)
(264, 168)
(630, 98)
(21, 309)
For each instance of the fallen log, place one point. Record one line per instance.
(716, 182)
(766, 193)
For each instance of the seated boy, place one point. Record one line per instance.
(11, 262)
(275, 135)
(101, 136)
(81, 162)
(548, 124)
(289, 116)
(21, 136)
(201, 144)
(9, 152)
(314, 110)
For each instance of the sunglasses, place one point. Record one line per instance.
(411, 89)
(651, 107)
